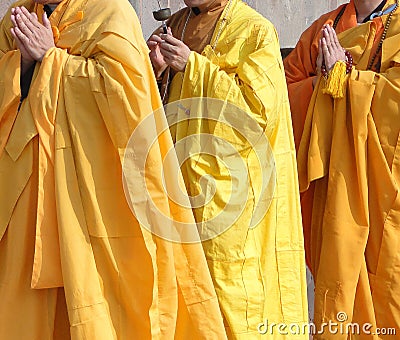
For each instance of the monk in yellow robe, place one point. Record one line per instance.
(221, 70)
(347, 131)
(75, 263)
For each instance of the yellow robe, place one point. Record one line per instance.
(350, 151)
(75, 263)
(258, 270)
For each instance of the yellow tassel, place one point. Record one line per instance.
(334, 84)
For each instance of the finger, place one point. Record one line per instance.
(168, 60)
(30, 16)
(336, 47)
(29, 20)
(14, 20)
(15, 11)
(322, 32)
(320, 57)
(169, 30)
(24, 40)
(325, 49)
(14, 35)
(17, 40)
(167, 48)
(20, 23)
(25, 11)
(167, 54)
(46, 21)
(24, 25)
(18, 10)
(320, 49)
(327, 39)
(152, 44)
(156, 39)
(335, 39)
(171, 40)
(326, 33)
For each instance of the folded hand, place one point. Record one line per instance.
(32, 38)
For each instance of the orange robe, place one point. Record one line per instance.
(348, 160)
(74, 260)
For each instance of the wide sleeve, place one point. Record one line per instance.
(10, 59)
(255, 83)
(300, 70)
(122, 81)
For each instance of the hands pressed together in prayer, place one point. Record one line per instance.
(32, 38)
(329, 50)
(166, 50)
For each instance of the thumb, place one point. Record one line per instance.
(46, 21)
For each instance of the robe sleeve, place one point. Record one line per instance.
(118, 82)
(122, 84)
(9, 80)
(300, 71)
(255, 84)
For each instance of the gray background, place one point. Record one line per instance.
(290, 17)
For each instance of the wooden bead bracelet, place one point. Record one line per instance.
(349, 65)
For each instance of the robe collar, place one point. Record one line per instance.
(213, 6)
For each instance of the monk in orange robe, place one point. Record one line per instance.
(345, 108)
(75, 262)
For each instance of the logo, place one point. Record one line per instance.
(220, 164)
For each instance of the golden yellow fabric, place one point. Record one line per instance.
(68, 239)
(259, 273)
(349, 150)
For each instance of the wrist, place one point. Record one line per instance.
(40, 59)
(347, 59)
(159, 73)
(26, 64)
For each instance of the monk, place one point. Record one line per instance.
(343, 80)
(75, 263)
(220, 69)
